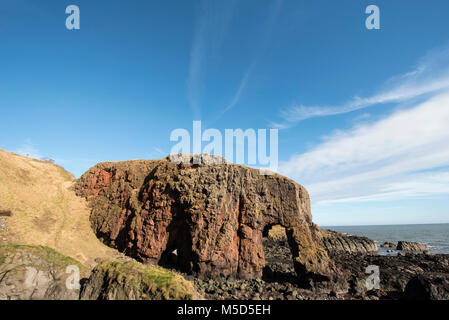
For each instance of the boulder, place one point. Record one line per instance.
(428, 287)
(213, 215)
(130, 280)
(37, 273)
(411, 246)
(388, 245)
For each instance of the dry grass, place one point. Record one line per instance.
(277, 232)
(46, 210)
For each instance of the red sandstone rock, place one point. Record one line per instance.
(212, 215)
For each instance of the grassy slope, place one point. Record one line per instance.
(46, 210)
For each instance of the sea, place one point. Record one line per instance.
(435, 236)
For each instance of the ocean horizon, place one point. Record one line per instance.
(435, 235)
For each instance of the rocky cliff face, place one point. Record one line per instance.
(338, 242)
(210, 216)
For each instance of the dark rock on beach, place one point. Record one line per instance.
(398, 278)
(278, 282)
(395, 271)
(428, 287)
(388, 245)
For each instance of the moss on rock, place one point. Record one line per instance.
(116, 280)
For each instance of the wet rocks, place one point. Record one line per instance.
(398, 276)
(411, 246)
(279, 280)
(428, 287)
(388, 245)
(253, 289)
(395, 272)
(213, 216)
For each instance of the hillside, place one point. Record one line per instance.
(45, 209)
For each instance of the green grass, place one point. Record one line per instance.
(149, 282)
(46, 253)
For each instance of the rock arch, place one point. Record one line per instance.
(212, 215)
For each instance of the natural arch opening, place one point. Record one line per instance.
(278, 256)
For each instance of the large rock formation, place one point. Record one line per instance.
(211, 216)
(411, 246)
(338, 242)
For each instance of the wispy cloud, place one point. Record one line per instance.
(273, 15)
(240, 90)
(431, 75)
(157, 153)
(28, 149)
(213, 19)
(401, 156)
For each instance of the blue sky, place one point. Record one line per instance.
(362, 114)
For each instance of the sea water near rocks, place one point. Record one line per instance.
(436, 236)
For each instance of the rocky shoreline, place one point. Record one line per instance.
(239, 235)
(277, 283)
(227, 232)
(408, 276)
(412, 276)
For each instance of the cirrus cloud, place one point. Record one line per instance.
(430, 76)
(403, 155)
